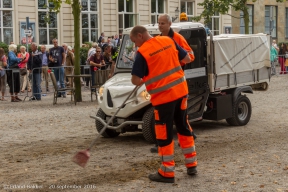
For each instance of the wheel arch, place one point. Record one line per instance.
(237, 91)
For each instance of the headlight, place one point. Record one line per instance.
(101, 90)
(146, 95)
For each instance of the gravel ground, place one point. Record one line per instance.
(38, 140)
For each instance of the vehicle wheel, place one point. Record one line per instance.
(100, 126)
(241, 112)
(148, 128)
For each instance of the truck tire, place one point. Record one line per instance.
(148, 128)
(108, 133)
(241, 112)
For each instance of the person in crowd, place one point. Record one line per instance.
(109, 42)
(114, 53)
(102, 43)
(35, 66)
(91, 52)
(101, 37)
(286, 58)
(96, 60)
(65, 47)
(273, 58)
(3, 65)
(113, 41)
(57, 56)
(281, 57)
(13, 77)
(107, 56)
(117, 40)
(148, 69)
(274, 44)
(69, 70)
(24, 78)
(45, 61)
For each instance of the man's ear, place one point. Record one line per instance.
(139, 35)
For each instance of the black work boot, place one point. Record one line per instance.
(159, 178)
(154, 149)
(192, 170)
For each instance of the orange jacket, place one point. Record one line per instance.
(165, 81)
(183, 43)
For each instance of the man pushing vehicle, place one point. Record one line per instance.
(157, 65)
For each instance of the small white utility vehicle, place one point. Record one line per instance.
(225, 67)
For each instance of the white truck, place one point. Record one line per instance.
(225, 67)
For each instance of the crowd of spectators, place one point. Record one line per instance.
(23, 71)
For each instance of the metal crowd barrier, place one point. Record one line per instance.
(101, 76)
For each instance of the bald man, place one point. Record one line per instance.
(157, 64)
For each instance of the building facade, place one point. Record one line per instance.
(109, 16)
(265, 16)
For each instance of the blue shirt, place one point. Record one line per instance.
(140, 67)
(44, 59)
(12, 59)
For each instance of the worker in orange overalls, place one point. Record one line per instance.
(157, 65)
(164, 25)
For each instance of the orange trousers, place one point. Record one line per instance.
(165, 114)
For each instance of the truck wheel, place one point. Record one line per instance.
(241, 112)
(148, 128)
(100, 126)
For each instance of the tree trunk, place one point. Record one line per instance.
(76, 13)
(246, 19)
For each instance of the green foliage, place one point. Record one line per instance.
(88, 44)
(211, 7)
(4, 46)
(83, 55)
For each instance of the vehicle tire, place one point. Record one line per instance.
(108, 133)
(148, 128)
(241, 112)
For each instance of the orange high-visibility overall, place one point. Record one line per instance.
(168, 89)
(181, 41)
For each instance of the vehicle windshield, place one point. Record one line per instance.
(127, 53)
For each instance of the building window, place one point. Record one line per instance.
(214, 25)
(271, 20)
(47, 31)
(188, 8)
(251, 19)
(157, 8)
(89, 20)
(127, 17)
(6, 21)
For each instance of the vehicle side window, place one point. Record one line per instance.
(194, 40)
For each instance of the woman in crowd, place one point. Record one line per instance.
(23, 65)
(3, 65)
(13, 77)
(281, 57)
(286, 58)
(107, 56)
